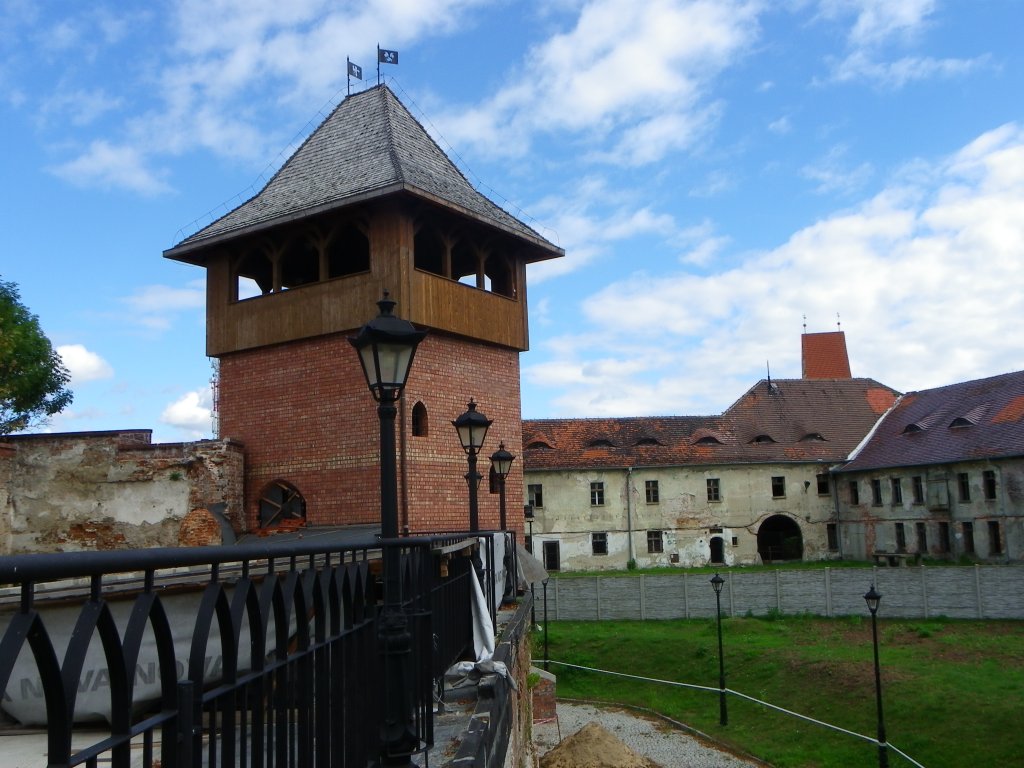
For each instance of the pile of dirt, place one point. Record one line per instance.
(593, 746)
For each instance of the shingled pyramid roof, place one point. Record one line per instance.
(370, 146)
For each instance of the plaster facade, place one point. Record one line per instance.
(681, 517)
(985, 523)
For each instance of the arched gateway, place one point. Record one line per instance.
(779, 538)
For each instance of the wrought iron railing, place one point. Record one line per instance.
(249, 655)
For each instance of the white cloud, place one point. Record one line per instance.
(108, 166)
(583, 80)
(83, 365)
(936, 255)
(156, 306)
(896, 74)
(832, 174)
(191, 413)
(781, 126)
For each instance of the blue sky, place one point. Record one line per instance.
(716, 172)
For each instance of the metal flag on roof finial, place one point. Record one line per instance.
(839, 324)
(384, 56)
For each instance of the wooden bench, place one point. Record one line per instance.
(897, 558)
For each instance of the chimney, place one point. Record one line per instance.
(825, 356)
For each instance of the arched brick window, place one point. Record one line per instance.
(420, 428)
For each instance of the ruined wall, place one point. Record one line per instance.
(115, 490)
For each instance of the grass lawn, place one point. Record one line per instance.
(953, 691)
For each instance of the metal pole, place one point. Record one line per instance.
(501, 501)
(883, 750)
(546, 625)
(398, 736)
(533, 606)
(723, 714)
(474, 480)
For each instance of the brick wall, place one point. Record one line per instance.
(304, 415)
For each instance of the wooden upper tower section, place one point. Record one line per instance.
(368, 202)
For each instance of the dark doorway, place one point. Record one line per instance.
(779, 538)
(551, 556)
(717, 550)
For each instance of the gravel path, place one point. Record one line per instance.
(665, 744)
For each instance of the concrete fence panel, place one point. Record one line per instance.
(979, 592)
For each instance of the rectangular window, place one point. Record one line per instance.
(989, 481)
(901, 538)
(823, 485)
(922, 538)
(968, 531)
(778, 487)
(854, 492)
(599, 543)
(714, 489)
(876, 492)
(833, 537)
(897, 491)
(535, 495)
(655, 541)
(944, 538)
(964, 483)
(918, 484)
(597, 494)
(995, 541)
(651, 489)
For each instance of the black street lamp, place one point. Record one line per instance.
(873, 598)
(386, 347)
(501, 463)
(723, 714)
(472, 428)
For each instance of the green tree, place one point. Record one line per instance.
(33, 379)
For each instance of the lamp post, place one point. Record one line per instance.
(528, 514)
(386, 347)
(723, 713)
(873, 598)
(501, 463)
(472, 428)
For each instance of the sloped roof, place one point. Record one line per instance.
(824, 355)
(369, 146)
(806, 421)
(978, 419)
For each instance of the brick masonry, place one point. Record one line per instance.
(304, 415)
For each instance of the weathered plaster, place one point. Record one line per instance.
(111, 490)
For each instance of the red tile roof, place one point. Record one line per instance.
(824, 356)
(806, 421)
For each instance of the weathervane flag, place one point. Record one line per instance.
(384, 56)
(354, 70)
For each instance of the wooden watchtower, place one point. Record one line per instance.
(368, 203)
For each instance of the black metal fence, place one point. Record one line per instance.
(252, 655)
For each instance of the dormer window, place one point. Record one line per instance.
(647, 441)
(762, 439)
(708, 440)
(960, 421)
(911, 428)
(538, 444)
(600, 442)
(812, 437)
